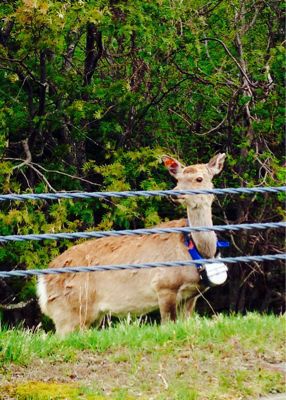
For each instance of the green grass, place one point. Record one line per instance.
(226, 357)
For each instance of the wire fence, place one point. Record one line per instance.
(139, 232)
(137, 193)
(116, 267)
(136, 232)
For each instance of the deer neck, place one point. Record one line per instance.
(206, 242)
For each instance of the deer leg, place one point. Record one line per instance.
(168, 304)
(71, 319)
(65, 327)
(74, 323)
(189, 306)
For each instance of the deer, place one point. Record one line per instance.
(75, 301)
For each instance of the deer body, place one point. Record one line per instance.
(76, 301)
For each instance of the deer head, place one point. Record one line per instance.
(198, 176)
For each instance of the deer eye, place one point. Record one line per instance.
(199, 179)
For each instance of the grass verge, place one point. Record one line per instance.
(226, 357)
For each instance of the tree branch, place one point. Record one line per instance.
(156, 100)
(193, 76)
(73, 38)
(231, 56)
(28, 155)
(36, 167)
(208, 8)
(93, 38)
(43, 81)
(5, 33)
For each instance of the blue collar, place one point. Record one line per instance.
(194, 253)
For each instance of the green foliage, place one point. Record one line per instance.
(136, 170)
(94, 92)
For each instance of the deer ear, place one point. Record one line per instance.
(173, 165)
(215, 165)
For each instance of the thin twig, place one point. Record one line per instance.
(42, 176)
(208, 303)
(65, 174)
(231, 56)
(24, 162)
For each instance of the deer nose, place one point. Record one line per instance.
(180, 199)
(177, 198)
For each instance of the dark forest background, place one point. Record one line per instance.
(92, 93)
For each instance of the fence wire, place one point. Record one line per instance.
(137, 193)
(137, 232)
(116, 267)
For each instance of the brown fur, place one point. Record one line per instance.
(75, 301)
(191, 169)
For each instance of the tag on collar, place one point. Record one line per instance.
(213, 274)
